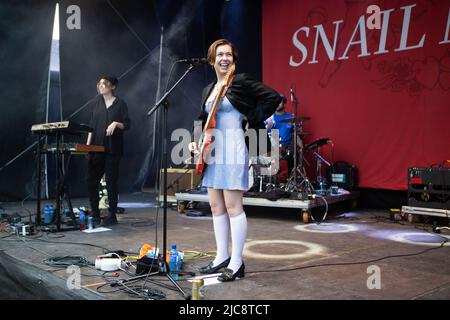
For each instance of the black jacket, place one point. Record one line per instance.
(253, 99)
(102, 117)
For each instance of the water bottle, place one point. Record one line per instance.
(47, 214)
(82, 220)
(90, 223)
(173, 262)
(180, 260)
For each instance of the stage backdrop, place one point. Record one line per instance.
(378, 85)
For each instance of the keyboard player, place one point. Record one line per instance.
(109, 120)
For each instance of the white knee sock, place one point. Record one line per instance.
(221, 232)
(238, 236)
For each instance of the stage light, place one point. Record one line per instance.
(420, 238)
(312, 249)
(55, 35)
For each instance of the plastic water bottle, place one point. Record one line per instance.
(47, 215)
(173, 262)
(82, 220)
(90, 223)
(180, 260)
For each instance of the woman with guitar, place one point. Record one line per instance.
(229, 105)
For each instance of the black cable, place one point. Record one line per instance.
(65, 261)
(147, 292)
(144, 223)
(22, 204)
(56, 236)
(326, 210)
(64, 242)
(352, 263)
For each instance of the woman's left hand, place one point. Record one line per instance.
(111, 128)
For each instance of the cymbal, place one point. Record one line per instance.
(296, 120)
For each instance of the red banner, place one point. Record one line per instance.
(375, 80)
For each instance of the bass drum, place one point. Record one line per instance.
(283, 172)
(262, 174)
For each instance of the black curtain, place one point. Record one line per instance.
(25, 43)
(123, 38)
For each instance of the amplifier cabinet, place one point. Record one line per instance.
(178, 180)
(429, 187)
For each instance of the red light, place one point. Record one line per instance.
(416, 180)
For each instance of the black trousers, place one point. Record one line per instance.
(99, 164)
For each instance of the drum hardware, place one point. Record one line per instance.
(266, 182)
(298, 170)
(297, 181)
(296, 120)
(321, 180)
(317, 144)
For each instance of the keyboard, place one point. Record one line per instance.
(63, 127)
(76, 148)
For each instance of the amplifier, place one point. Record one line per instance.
(429, 187)
(343, 175)
(178, 180)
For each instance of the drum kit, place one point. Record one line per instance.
(287, 170)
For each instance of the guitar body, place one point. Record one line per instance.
(200, 166)
(211, 122)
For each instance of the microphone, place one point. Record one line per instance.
(194, 61)
(293, 97)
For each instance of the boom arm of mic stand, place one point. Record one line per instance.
(164, 97)
(322, 159)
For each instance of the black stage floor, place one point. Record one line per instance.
(355, 254)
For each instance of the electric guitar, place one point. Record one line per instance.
(211, 121)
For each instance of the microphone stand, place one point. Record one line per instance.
(163, 270)
(305, 181)
(295, 103)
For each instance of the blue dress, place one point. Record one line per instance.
(227, 165)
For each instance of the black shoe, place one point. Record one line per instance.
(110, 220)
(209, 269)
(228, 275)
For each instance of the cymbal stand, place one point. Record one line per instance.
(299, 169)
(305, 184)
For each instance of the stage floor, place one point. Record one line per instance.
(358, 254)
